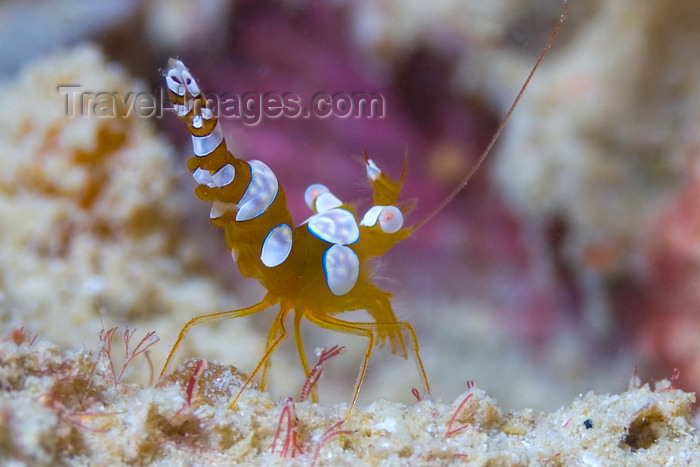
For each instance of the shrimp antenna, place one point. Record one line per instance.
(465, 181)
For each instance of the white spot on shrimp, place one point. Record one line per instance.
(373, 171)
(202, 177)
(371, 216)
(335, 226)
(390, 218)
(277, 246)
(220, 179)
(342, 268)
(223, 176)
(190, 83)
(260, 193)
(313, 192)
(326, 202)
(319, 199)
(174, 82)
(205, 145)
(178, 78)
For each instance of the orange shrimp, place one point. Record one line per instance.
(319, 269)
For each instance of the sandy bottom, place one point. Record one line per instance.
(71, 407)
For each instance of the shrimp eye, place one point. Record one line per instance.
(319, 199)
(390, 219)
(313, 192)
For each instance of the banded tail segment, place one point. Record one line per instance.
(222, 179)
(246, 198)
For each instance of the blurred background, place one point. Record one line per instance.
(571, 257)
